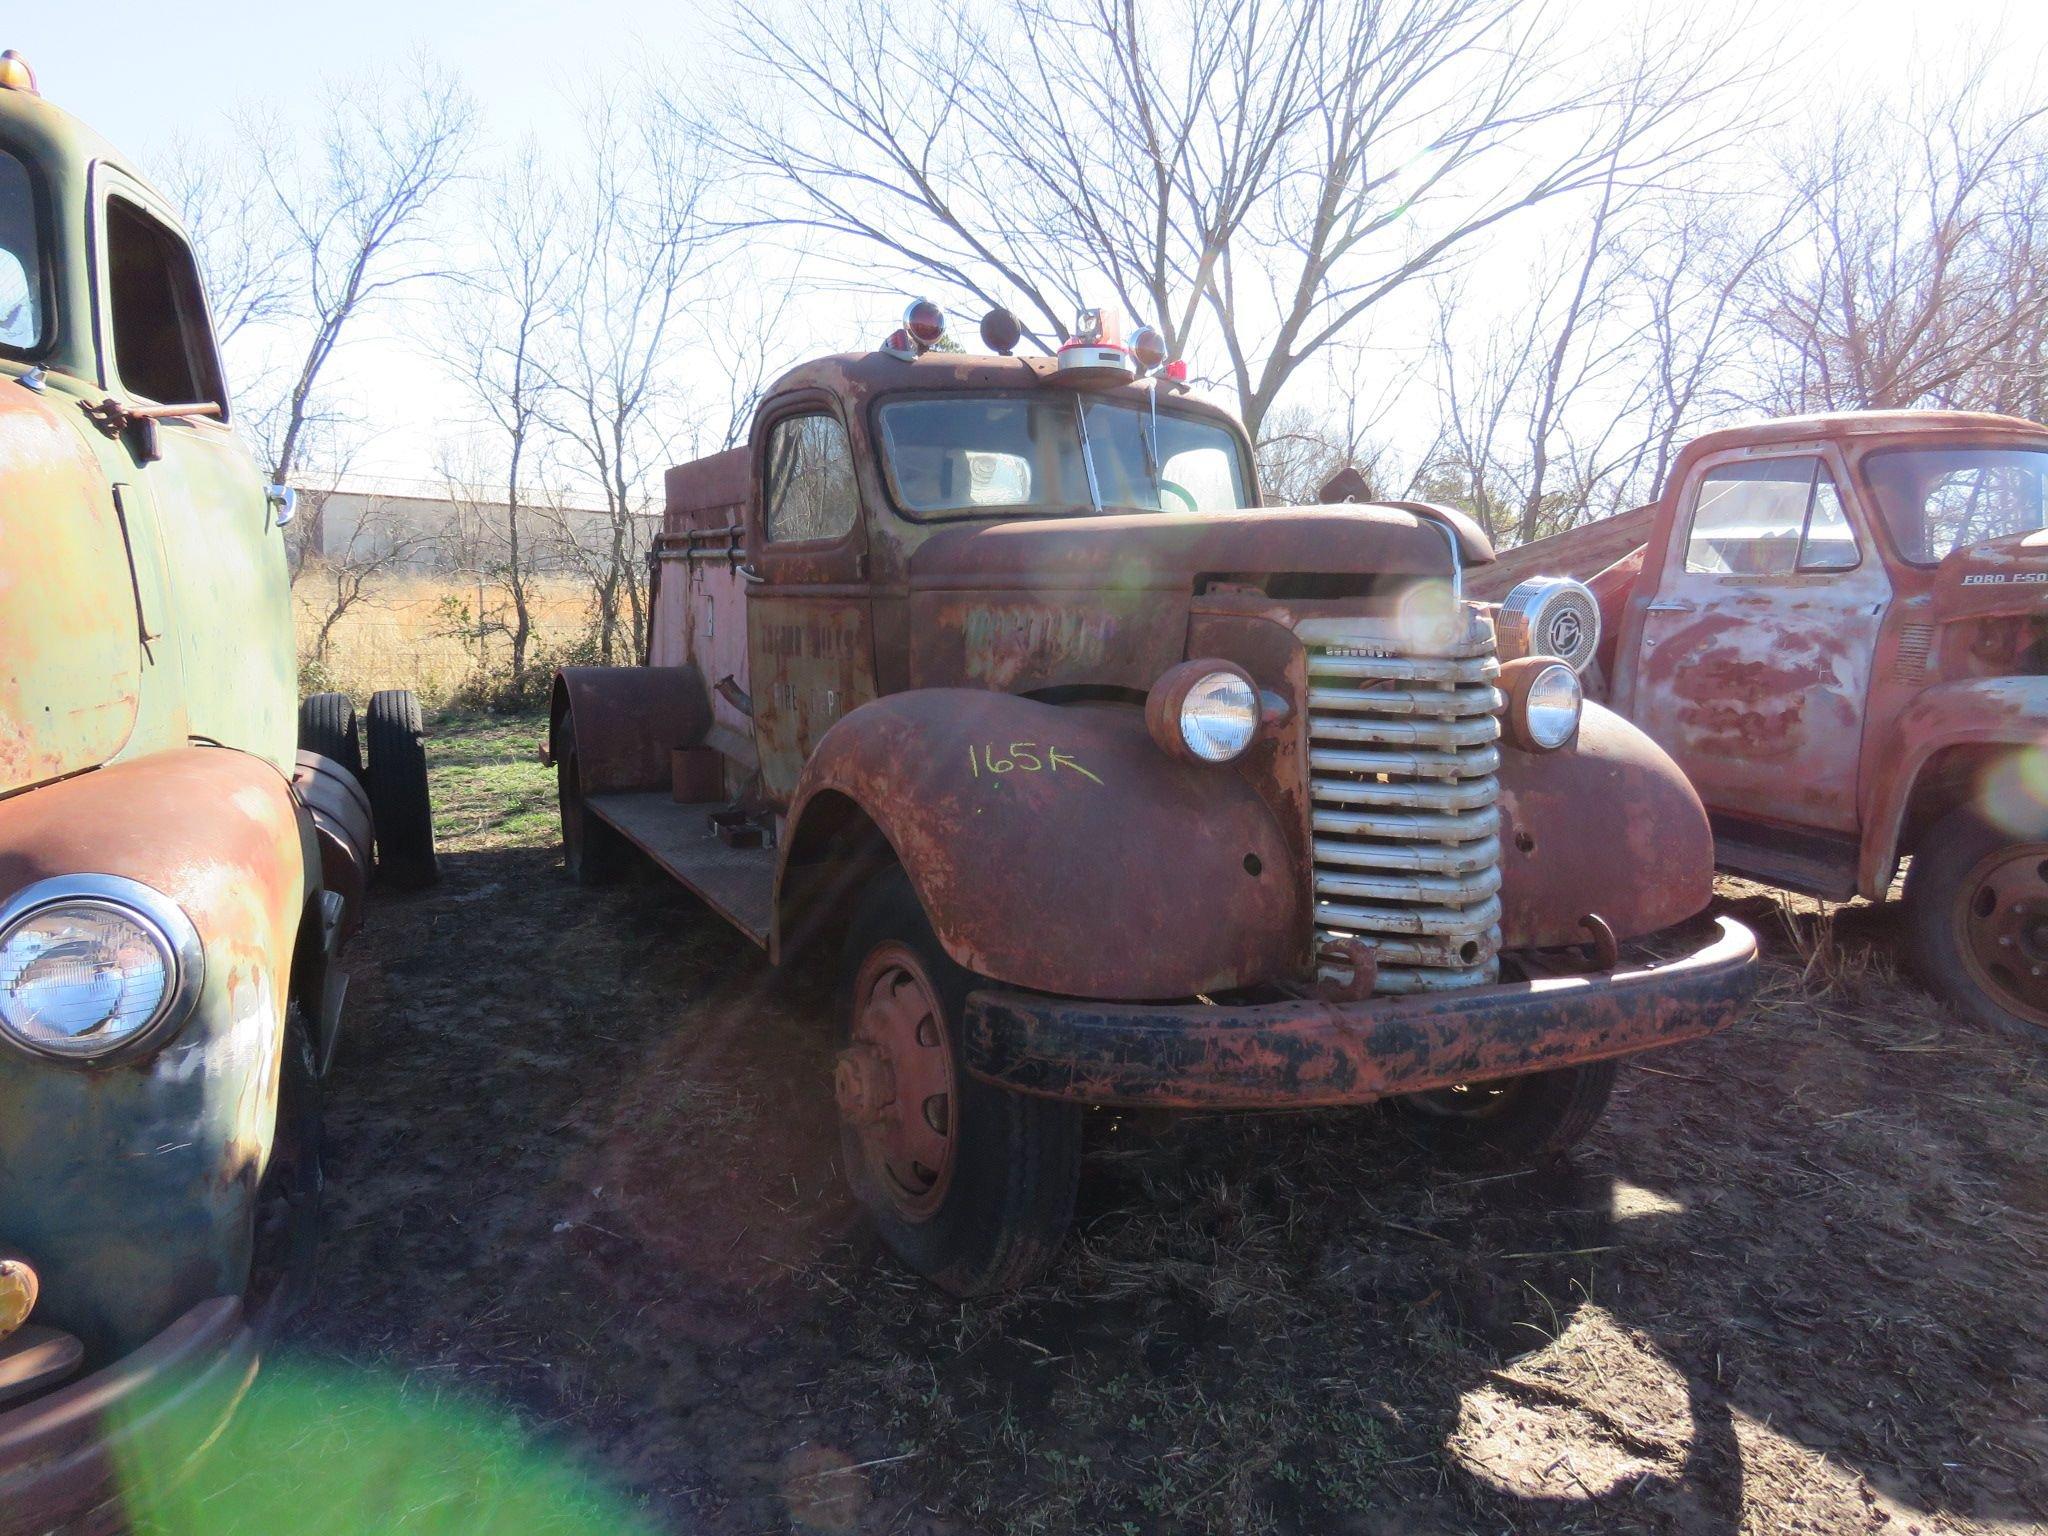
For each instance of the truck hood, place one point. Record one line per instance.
(1167, 550)
(2004, 577)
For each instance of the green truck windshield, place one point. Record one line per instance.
(21, 307)
(974, 454)
(1939, 500)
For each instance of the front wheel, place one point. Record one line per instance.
(1977, 921)
(1510, 1122)
(969, 1184)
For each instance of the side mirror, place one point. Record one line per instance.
(284, 503)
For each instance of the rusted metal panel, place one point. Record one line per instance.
(706, 493)
(1302, 1055)
(68, 1458)
(1578, 552)
(343, 823)
(2008, 713)
(1166, 551)
(629, 719)
(1027, 640)
(69, 627)
(129, 1187)
(1609, 827)
(1036, 836)
(810, 656)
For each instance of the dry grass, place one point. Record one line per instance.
(403, 634)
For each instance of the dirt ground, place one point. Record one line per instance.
(590, 1266)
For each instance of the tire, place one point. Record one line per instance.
(1003, 1196)
(1515, 1122)
(286, 1247)
(594, 852)
(1977, 922)
(327, 725)
(399, 800)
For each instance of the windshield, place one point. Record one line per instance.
(1938, 500)
(1054, 453)
(21, 308)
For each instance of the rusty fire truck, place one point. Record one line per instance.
(1118, 789)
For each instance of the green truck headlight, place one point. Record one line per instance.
(94, 967)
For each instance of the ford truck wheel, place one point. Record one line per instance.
(1510, 1122)
(327, 725)
(1977, 921)
(397, 781)
(969, 1184)
(593, 851)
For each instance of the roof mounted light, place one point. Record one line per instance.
(1094, 354)
(1001, 331)
(924, 327)
(15, 75)
(1148, 348)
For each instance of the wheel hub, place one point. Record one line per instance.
(895, 1083)
(2005, 929)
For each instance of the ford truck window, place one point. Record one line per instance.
(1055, 454)
(1769, 517)
(1939, 500)
(21, 307)
(809, 492)
(163, 346)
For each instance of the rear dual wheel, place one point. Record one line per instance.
(394, 775)
(969, 1184)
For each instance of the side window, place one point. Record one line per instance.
(809, 492)
(163, 349)
(21, 296)
(1769, 517)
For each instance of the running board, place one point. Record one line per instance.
(737, 883)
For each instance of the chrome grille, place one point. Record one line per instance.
(1402, 758)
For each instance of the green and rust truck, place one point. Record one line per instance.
(177, 876)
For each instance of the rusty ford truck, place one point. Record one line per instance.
(1838, 626)
(176, 878)
(1117, 789)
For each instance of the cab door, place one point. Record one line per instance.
(810, 626)
(222, 551)
(1756, 641)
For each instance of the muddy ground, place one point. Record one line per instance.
(590, 1266)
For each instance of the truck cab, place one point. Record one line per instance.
(1111, 786)
(177, 878)
(1838, 626)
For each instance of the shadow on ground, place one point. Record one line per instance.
(583, 1177)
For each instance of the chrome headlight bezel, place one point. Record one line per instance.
(1166, 709)
(162, 921)
(1520, 682)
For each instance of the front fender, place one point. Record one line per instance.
(1609, 826)
(131, 1187)
(1057, 848)
(1978, 712)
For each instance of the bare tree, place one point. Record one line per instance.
(491, 336)
(1253, 174)
(639, 242)
(242, 250)
(355, 219)
(1914, 273)
(349, 576)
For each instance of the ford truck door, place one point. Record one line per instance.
(1756, 642)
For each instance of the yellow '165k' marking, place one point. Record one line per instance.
(1023, 757)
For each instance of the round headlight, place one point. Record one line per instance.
(1543, 703)
(92, 966)
(1203, 711)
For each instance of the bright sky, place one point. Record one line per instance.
(138, 70)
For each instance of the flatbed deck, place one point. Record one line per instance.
(739, 883)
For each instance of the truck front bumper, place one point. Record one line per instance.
(1301, 1055)
(73, 1459)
